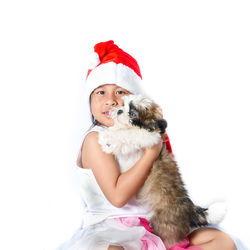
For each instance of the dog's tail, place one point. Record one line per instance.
(216, 212)
(207, 216)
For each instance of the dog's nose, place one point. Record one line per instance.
(120, 111)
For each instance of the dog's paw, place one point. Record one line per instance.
(108, 148)
(105, 140)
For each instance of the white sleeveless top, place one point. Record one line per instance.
(97, 207)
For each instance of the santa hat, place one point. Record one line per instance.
(108, 64)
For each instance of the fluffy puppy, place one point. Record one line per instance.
(139, 124)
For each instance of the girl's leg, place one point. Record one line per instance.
(115, 248)
(211, 239)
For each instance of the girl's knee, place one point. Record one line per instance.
(202, 235)
(210, 238)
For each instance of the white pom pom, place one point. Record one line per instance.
(93, 60)
(216, 212)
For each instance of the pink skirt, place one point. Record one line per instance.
(149, 240)
(131, 233)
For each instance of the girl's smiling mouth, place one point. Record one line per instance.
(107, 113)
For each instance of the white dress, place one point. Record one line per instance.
(99, 229)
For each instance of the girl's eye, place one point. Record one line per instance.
(120, 92)
(101, 92)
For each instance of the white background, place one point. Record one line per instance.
(195, 60)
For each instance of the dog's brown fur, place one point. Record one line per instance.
(164, 193)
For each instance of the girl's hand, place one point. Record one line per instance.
(153, 151)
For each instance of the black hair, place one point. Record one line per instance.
(94, 121)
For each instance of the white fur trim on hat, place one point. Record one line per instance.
(112, 73)
(93, 60)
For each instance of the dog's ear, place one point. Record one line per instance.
(162, 124)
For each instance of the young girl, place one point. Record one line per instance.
(113, 219)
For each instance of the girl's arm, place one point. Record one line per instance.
(118, 188)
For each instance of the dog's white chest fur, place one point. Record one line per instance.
(127, 144)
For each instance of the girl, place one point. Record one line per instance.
(113, 219)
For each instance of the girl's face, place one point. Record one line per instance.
(103, 99)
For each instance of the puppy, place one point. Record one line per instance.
(139, 124)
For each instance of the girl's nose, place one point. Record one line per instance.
(111, 101)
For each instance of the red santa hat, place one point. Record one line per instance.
(108, 64)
